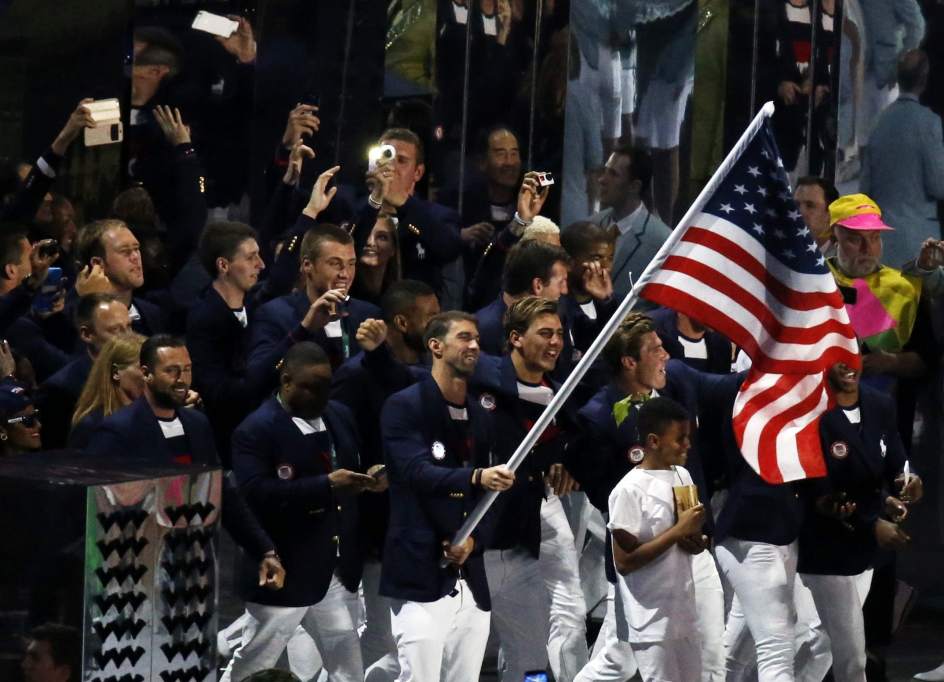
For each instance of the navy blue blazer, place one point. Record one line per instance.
(754, 510)
(518, 510)
(277, 327)
(428, 235)
(218, 345)
(133, 435)
(57, 398)
(491, 327)
(429, 497)
(360, 385)
(151, 321)
(600, 457)
(286, 485)
(717, 346)
(863, 465)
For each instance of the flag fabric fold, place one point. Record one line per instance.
(746, 265)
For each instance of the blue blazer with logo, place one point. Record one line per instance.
(286, 485)
(518, 510)
(862, 464)
(429, 497)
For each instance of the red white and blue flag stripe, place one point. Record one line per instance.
(747, 266)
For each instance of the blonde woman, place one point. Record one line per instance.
(114, 381)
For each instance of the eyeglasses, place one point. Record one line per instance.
(27, 420)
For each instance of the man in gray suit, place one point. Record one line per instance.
(625, 181)
(903, 165)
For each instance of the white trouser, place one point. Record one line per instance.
(709, 606)
(520, 607)
(839, 600)
(589, 531)
(378, 649)
(567, 640)
(762, 577)
(673, 660)
(329, 622)
(440, 640)
(612, 660)
(301, 654)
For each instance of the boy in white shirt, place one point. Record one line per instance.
(653, 548)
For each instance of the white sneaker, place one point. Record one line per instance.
(936, 675)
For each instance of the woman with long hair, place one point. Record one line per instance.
(114, 381)
(378, 265)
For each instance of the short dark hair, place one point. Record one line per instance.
(627, 340)
(11, 249)
(88, 304)
(303, 354)
(656, 414)
(913, 70)
(401, 296)
(408, 136)
(65, 646)
(640, 165)
(523, 312)
(151, 345)
(577, 238)
(135, 207)
(88, 242)
(438, 327)
(830, 193)
(527, 260)
(161, 48)
(318, 235)
(221, 240)
(485, 136)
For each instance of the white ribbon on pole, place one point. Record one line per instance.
(613, 323)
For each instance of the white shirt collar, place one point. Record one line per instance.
(626, 224)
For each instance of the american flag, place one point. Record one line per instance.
(747, 266)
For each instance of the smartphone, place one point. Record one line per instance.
(214, 24)
(535, 676)
(380, 473)
(108, 128)
(50, 290)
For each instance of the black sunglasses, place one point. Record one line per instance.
(27, 420)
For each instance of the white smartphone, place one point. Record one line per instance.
(215, 24)
(107, 116)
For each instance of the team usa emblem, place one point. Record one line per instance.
(286, 472)
(636, 454)
(439, 451)
(487, 400)
(839, 449)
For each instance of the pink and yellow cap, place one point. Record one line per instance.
(856, 212)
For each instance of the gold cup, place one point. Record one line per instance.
(686, 497)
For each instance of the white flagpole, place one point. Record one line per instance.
(613, 323)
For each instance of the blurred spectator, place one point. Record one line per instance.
(53, 654)
(625, 181)
(904, 173)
